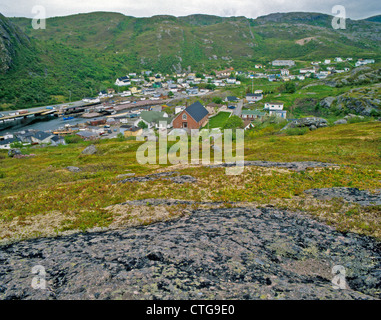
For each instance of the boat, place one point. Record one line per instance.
(68, 118)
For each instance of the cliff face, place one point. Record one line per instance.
(11, 39)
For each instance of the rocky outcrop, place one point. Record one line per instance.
(341, 121)
(173, 176)
(90, 150)
(354, 195)
(360, 101)
(310, 122)
(11, 38)
(14, 152)
(296, 165)
(231, 253)
(358, 76)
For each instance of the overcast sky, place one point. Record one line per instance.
(355, 9)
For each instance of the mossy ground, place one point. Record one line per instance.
(38, 196)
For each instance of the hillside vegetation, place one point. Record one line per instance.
(79, 55)
(39, 196)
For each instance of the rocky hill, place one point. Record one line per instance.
(11, 40)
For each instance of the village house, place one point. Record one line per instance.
(362, 62)
(123, 81)
(224, 73)
(213, 107)
(6, 143)
(41, 137)
(192, 91)
(231, 80)
(273, 106)
(193, 117)
(247, 124)
(307, 70)
(275, 109)
(285, 72)
(280, 63)
(178, 109)
(254, 97)
(153, 118)
(252, 114)
(87, 135)
(231, 99)
(130, 131)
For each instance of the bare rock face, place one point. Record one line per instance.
(354, 195)
(222, 253)
(309, 122)
(173, 176)
(341, 121)
(11, 37)
(73, 169)
(90, 150)
(14, 152)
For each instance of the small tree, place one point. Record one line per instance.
(170, 94)
(16, 145)
(142, 125)
(217, 100)
(233, 122)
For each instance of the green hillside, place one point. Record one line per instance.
(84, 53)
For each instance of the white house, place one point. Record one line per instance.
(254, 97)
(279, 113)
(91, 100)
(284, 72)
(6, 143)
(362, 62)
(178, 109)
(231, 81)
(338, 59)
(273, 106)
(327, 61)
(123, 81)
(280, 63)
(307, 70)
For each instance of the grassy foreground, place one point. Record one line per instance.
(39, 197)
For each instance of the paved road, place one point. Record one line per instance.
(238, 110)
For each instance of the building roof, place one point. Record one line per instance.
(254, 94)
(40, 135)
(151, 116)
(56, 138)
(86, 134)
(197, 111)
(253, 112)
(232, 98)
(8, 141)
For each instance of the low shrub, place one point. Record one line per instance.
(296, 131)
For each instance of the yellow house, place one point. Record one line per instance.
(135, 90)
(132, 132)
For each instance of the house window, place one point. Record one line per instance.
(184, 116)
